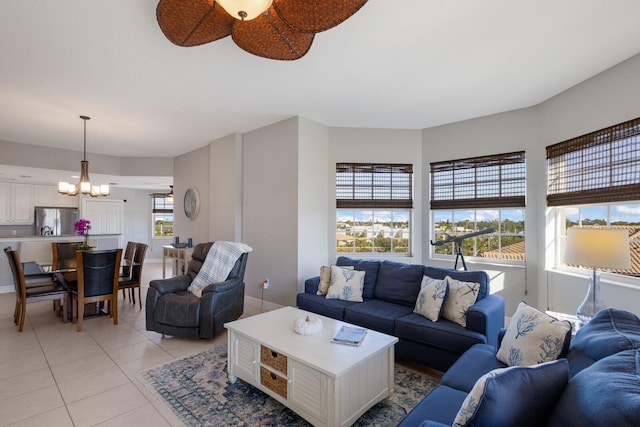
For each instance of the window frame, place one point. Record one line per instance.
(374, 187)
(160, 211)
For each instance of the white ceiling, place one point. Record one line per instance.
(407, 64)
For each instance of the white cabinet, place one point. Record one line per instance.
(16, 203)
(48, 196)
(105, 215)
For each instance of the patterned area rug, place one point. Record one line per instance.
(198, 391)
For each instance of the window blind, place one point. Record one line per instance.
(374, 185)
(495, 181)
(599, 167)
(162, 205)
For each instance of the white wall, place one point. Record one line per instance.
(500, 133)
(270, 210)
(313, 189)
(225, 191)
(376, 146)
(193, 170)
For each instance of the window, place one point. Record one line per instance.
(162, 216)
(594, 181)
(469, 196)
(374, 206)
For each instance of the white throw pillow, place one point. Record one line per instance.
(460, 297)
(346, 284)
(431, 298)
(325, 278)
(532, 337)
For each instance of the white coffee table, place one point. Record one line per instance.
(325, 383)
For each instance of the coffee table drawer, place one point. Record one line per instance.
(273, 359)
(273, 382)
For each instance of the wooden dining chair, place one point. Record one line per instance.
(136, 274)
(125, 270)
(43, 289)
(98, 274)
(64, 257)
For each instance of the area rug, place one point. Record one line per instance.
(198, 391)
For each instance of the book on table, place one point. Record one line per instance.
(349, 335)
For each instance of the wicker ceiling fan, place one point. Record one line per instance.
(274, 29)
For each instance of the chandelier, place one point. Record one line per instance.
(84, 186)
(273, 29)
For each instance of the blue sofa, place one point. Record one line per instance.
(390, 292)
(597, 384)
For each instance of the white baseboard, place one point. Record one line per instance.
(256, 302)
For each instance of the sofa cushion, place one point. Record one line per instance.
(430, 302)
(178, 309)
(474, 363)
(515, 396)
(609, 332)
(441, 334)
(376, 314)
(333, 308)
(606, 393)
(398, 282)
(370, 267)
(460, 296)
(533, 337)
(440, 406)
(346, 284)
(479, 276)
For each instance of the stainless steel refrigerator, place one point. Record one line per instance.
(55, 221)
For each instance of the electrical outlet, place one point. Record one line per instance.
(265, 284)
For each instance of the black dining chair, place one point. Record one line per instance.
(98, 273)
(125, 268)
(41, 290)
(136, 274)
(64, 257)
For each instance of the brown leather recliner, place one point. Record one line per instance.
(171, 309)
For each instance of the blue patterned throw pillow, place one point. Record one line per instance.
(431, 298)
(346, 284)
(461, 296)
(517, 396)
(533, 337)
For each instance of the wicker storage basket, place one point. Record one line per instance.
(273, 382)
(273, 359)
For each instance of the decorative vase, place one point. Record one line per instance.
(593, 302)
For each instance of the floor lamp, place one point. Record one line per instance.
(596, 248)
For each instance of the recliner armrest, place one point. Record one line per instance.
(311, 285)
(487, 317)
(222, 286)
(171, 285)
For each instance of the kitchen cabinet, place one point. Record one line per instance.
(48, 196)
(16, 203)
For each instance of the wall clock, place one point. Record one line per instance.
(191, 203)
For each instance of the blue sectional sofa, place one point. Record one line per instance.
(389, 294)
(598, 384)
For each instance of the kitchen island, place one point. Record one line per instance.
(38, 249)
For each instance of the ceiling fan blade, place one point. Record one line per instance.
(316, 16)
(193, 22)
(270, 37)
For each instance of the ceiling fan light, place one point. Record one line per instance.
(245, 10)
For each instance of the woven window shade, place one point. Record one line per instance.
(367, 185)
(162, 205)
(599, 167)
(496, 181)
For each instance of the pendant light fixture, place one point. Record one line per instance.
(84, 186)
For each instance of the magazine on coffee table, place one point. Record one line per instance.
(349, 335)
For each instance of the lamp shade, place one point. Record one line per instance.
(245, 9)
(598, 248)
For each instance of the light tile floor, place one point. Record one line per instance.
(51, 375)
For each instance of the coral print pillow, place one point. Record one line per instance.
(346, 284)
(533, 337)
(431, 298)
